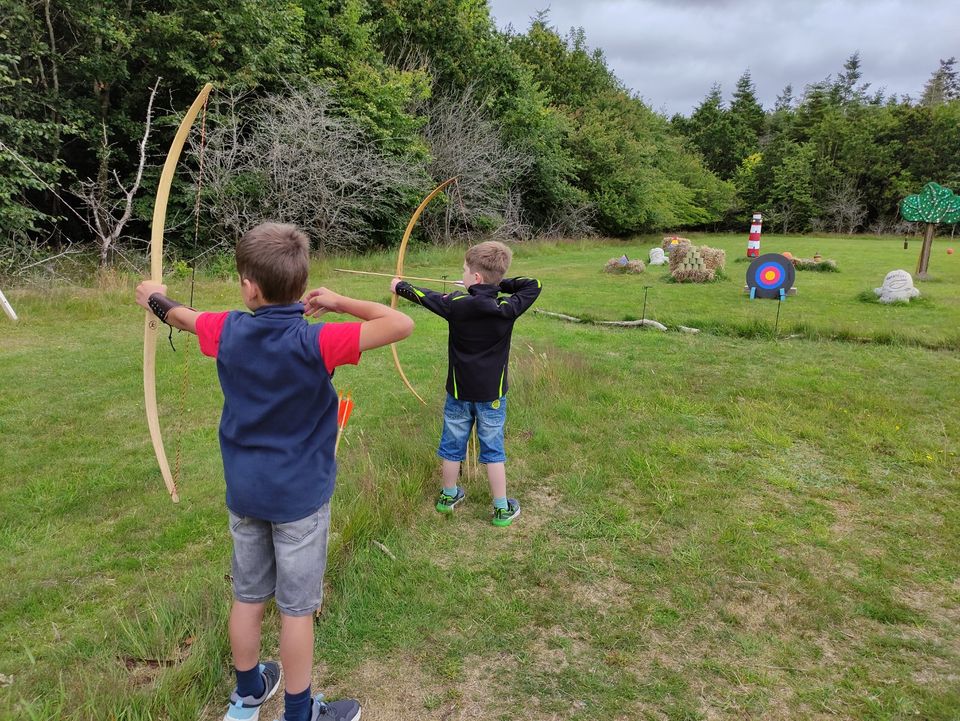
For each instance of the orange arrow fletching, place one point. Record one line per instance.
(344, 410)
(348, 409)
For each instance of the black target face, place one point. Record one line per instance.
(769, 273)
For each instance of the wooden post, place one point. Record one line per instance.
(925, 252)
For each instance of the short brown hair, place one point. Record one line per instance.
(490, 259)
(275, 256)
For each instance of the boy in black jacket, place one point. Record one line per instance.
(478, 350)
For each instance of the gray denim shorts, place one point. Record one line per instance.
(286, 560)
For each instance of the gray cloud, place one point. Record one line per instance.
(672, 52)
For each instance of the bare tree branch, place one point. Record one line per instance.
(296, 158)
(465, 143)
(843, 207)
(104, 207)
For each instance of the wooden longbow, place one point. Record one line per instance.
(400, 254)
(151, 326)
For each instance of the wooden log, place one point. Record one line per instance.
(645, 323)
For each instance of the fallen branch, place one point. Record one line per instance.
(645, 323)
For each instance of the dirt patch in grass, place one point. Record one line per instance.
(755, 609)
(471, 523)
(844, 519)
(395, 688)
(400, 689)
(604, 595)
(938, 670)
(931, 604)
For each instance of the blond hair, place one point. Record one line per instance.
(275, 256)
(490, 259)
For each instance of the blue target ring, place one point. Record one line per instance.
(769, 274)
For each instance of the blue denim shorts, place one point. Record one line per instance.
(458, 420)
(286, 560)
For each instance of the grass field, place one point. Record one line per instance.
(736, 524)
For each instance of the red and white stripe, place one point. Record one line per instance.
(753, 242)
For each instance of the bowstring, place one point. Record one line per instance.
(473, 442)
(462, 206)
(185, 376)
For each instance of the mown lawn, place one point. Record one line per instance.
(714, 526)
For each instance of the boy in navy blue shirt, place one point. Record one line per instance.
(277, 436)
(480, 323)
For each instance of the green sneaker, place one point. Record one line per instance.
(505, 516)
(446, 504)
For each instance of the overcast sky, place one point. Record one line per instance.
(671, 53)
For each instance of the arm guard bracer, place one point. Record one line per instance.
(161, 305)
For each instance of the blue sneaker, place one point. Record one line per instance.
(343, 710)
(247, 708)
(446, 504)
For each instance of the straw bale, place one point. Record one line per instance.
(715, 258)
(632, 266)
(668, 245)
(679, 253)
(691, 268)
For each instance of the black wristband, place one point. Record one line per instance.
(161, 305)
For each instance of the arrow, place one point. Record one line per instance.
(391, 275)
(344, 409)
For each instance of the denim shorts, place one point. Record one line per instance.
(458, 420)
(286, 560)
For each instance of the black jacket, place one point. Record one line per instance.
(481, 323)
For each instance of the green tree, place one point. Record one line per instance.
(712, 133)
(746, 109)
(92, 65)
(31, 131)
(845, 90)
(943, 86)
(746, 119)
(636, 172)
(343, 50)
(457, 43)
(784, 101)
(791, 201)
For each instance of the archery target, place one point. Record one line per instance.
(769, 273)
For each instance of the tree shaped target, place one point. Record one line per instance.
(935, 204)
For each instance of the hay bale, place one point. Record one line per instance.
(696, 264)
(616, 265)
(691, 268)
(715, 258)
(679, 253)
(669, 246)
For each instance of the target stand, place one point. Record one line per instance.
(770, 276)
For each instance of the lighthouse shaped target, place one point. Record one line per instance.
(770, 276)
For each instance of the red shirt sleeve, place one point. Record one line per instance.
(209, 328)
(340, 344)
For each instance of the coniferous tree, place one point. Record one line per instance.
(845, 88)
(711, 131)
(943, 86)
(784, 100)
(745, 106)
(746, 118)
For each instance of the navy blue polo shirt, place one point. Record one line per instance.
(278, 428)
